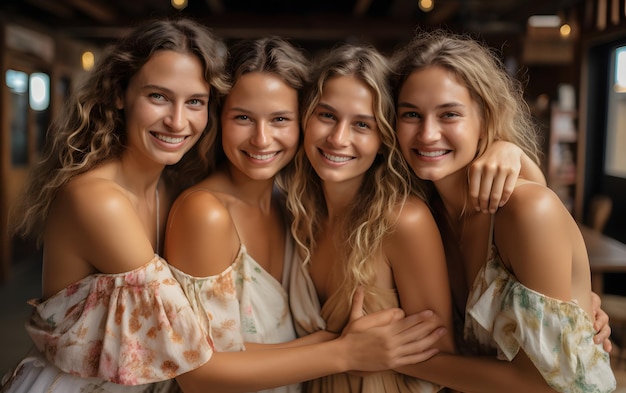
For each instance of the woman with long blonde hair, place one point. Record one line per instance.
(354, 219)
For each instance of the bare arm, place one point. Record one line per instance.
(480, 374)
(415, 252)
(375, 342)
(314, 338)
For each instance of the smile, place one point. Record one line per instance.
(336, 158)
(437, 153)
(265, 156)
(169, 139)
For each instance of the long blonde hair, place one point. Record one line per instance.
(371, 215)
(92, 129)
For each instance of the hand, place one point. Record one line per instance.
(387, 339)
(492, 176)
(601, 324)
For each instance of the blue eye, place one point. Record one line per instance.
(196, 102)
(156, 96)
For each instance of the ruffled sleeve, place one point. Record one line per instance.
(131, 328)
(557, 336)
(216, 305)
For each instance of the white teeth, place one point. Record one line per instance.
(336, 158)
(432, 153)
(169, 139)
(262, 156)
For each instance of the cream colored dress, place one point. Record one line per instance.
(309, 317)
(127, 332)
(243, 304)
(557, 336)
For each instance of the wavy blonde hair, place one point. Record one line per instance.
(505, 114)
(372, 214)
(92, 129)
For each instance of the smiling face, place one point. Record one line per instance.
(260, 125)
(166, 107)
(438, 124)
(341, 138)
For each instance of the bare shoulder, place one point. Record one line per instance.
(530, 203)
(414, 220)
(199, 207)
(200, 238)
(93, 219)
(88, 197)
(413, 213)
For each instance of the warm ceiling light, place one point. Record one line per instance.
(87, 60)
(426, 5)
(565, 30)
(179, 4)
(544, 21)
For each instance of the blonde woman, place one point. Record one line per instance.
(523, 281)
(354, 219)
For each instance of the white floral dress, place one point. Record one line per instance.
(243, 304)
(557, 336)
(127, 332)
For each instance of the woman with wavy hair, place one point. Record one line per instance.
(522, 282)
(354, 219)
(110, 318)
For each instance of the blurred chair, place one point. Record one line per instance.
(600, 208)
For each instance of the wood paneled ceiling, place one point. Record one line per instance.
(317, 21)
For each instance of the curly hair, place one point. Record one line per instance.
(371, 215)
(273, 55)
(92, 129)
(505, 114)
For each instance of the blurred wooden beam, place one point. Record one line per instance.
(98, 12)
(216, 6)
(361, 7)
(403, 9)
(56, 8)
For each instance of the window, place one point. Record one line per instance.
(29, 102)
(615, 164)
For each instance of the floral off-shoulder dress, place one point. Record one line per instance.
(557, 336)
(245, 303)
(127, 332)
